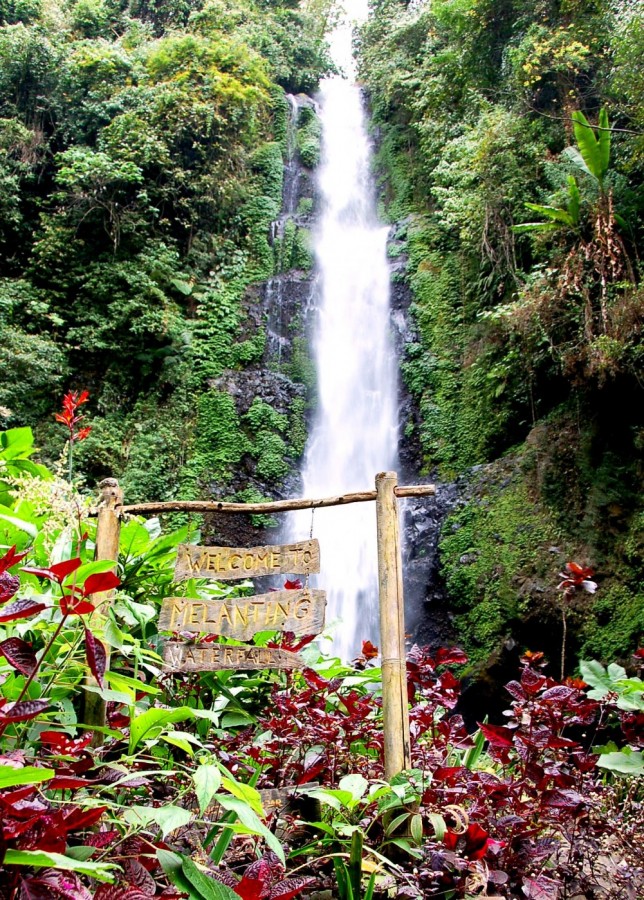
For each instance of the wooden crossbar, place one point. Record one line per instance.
(270, 506)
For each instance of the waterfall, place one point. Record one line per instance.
(354, 432)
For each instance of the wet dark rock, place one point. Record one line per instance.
(285, 305)
(427, 618)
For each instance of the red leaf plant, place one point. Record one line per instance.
(575, 576)
(74, 601)
(21, 609)
(9, 584)
(369, 651)
(537, 795)
(30, 821)
(96, 656)
(58, 572)
(22, 710)
(19, 654)
(263, 880)
(472, 844)
(317, 730)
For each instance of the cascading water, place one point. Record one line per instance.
(354, 433)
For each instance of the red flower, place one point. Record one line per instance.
(70, 418)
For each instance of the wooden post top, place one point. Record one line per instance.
(111, 493)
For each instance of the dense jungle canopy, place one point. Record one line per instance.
(141, 154)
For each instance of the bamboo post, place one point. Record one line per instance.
(108, 532)
(392, 628)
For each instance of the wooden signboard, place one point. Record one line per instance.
(180, 657)
(299, 611)
(228, 563)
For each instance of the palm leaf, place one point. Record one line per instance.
(556, 213)
(587, 144)
(603, 142)
(577, 159)
(535, 226)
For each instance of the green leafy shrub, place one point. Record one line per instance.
(309, 135)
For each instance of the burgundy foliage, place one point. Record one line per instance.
(541, 788)
(317, 732)
(264, 880)
(575, 576)
(19, 654)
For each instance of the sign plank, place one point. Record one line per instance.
(229, 563)
(301, 612)
(178, 657)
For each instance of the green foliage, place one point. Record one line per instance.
(309, 136)
(268, 446)
(261, 415)
(25, 11)
(301, 367)
(617, 620)
(460, 147)
(297, 431)
(293, 250)
(626, 81)
(280, 116)
(267, 162)
(476, 106)
(91, 18)
(185, 875)
(612, 683)
(499, 539)
(32, 360)
(556, 215)
(219, 443)
(594, 149)
(291, 40)
(270, 450)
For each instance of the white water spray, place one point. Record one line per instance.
(354, 433)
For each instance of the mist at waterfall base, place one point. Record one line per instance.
(354, 431)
